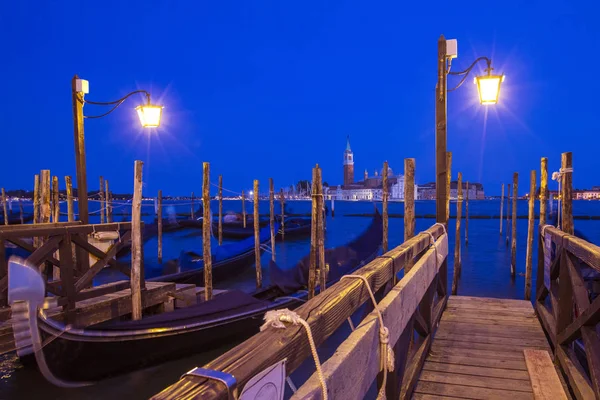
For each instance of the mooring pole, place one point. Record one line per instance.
(257, 237)
(501, 208)
(543, 203)
(282, 202)
(220, 224)
(513, 246)
(467, 216)
(108, 200)
(101, 195)
(206, 232)
(136, 244)
(457, 261)
(312, 269)
(243, 209)
(530, 234)
(4, 207)
(55, 200)
(409, 204)
(159, 225)
(272, 216)
(508, 197)
(441, 134)
(566, 167)
(82, 203)
(384, 187)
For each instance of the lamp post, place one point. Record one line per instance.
(488, 87)
(149, 115)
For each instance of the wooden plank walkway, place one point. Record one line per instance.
(477, 352)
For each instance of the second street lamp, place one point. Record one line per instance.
(488, 87)
(149, 115)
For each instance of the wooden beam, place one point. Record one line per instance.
(441, 163)
(566, 167)
(578, 381)
(256, 221)
(590, 316)
(544, 380)
(363, 347)
(206, 232)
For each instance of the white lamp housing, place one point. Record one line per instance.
(451, 48)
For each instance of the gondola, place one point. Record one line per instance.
(226, 260)
(73, 357)
(150, 231)
(294, 228)
(230, 230)
(16, 219)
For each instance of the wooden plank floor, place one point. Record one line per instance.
(477, 352)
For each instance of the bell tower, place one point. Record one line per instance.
(348, 164)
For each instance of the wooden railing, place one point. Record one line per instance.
(66, 238)
(567, 308)
(415, 304)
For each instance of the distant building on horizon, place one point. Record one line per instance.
(475, 191)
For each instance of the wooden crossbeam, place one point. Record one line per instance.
(42, 252)
(580, 293)
(30, 248)
(590, 316)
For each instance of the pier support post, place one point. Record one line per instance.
(36, 206)
(501, 208)
(206, 231)
(55, 200)
(513, 246)
(457, 261)
(243, 209)
(70, 211)
(282, 202)
(108, 201)
(530, 234)
(314, 236)
(220, 224)
(256, 221)
(101, 196)
(541, 244)
(136, 244)
(467, 217)
(272, 216)
(4, 207)
(508, 197)
(384, 200)
(45, 209)
(82, 193)
(323, 268)
(159, 221)
(566, 169)
(409, 205)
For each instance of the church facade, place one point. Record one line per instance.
(371, 187)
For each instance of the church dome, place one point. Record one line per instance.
(390, 172)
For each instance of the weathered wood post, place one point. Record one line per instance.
(457, 265)
(467, 216)
(409, 204)
(159, 225)
(4, 207)
(513, 246)
(282, 202)
(136, 244)
(21, 212)
(45, 210)
(55, 200)
(109, 218)
(257, 237)
(70, 212)
(36, 206)
(206, 231)
(315, 211)
(448, 179)
(566, 188)
(272, 216)
(384, 187)
(243, 209)
(530, 234)
(220, 224)
(541, 244)
(321, 231)
(508, 197)
(101, 195)
(501, 208)
(192, 206)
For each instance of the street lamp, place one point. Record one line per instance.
(488, 87)
(149, 115)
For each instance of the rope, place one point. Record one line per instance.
(387, 354)
(266, 248)
(276, 319)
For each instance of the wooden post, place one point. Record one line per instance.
(530, 234)
(159, 223)
(409, 204)
(457, 261)
(384, 187)
(136, 244)
(321, 231)
(257, 237)
(501, 208)
(21, 212)
(448, 179)
(566, 168)
(467, 217)
(101, 195)
(70, 212)
(243, 209)
(220, 210)
(312, 271)
(272, 216)
(45, 197)
(441, 161)
(508, 196)
(192, 206)
(55, 200)
(282, 202)
(108, 202)
(4, 207)
(36, 206)
(206, 231)
(513, 246)
(541, 244)
(82, 203)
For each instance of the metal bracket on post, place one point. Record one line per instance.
(223, 377)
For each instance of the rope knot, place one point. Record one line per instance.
(276, 319)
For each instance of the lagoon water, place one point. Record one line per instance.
(485, 272)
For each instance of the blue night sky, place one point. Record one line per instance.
(269, 88)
